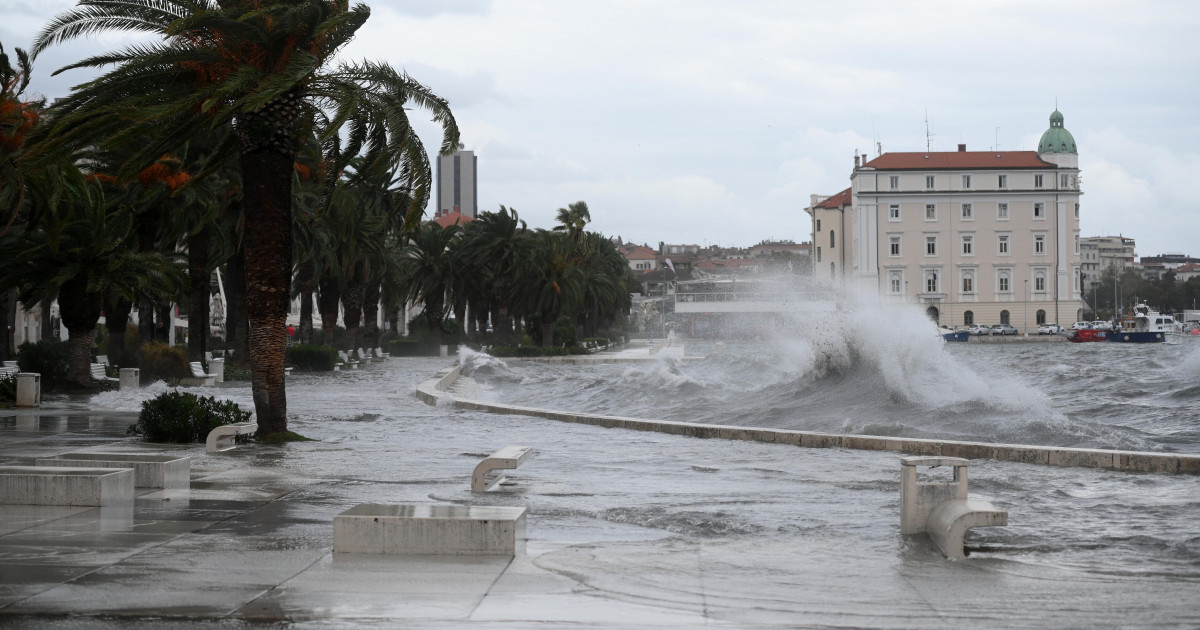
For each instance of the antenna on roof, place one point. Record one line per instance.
(928, 136)
(878, 148)
(997, 138)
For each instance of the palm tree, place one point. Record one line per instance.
(549, 283)
(264, 67)
(573, 219)
(427, 273)
(493, 246)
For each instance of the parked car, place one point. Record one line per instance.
(979, 329)
(1049, 329)
(1003, 329)
(1081, 326)
(1101, 324)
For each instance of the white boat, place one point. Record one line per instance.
(1149, 326)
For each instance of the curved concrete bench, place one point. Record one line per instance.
(508, 457)
(224, 437)
(948, 523)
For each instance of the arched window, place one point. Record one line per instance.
(832, 238)
(1041, 317)
(1004, 318)
(932, 313)
(968, 318)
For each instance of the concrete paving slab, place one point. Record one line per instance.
(337, 608)
(14, 518)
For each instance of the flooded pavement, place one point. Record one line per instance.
(625, 528)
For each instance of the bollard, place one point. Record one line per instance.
(29, 389)
(443, 351)
(918, 499)
(130, 378)
(217, 367)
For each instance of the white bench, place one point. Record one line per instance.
(508, 457)
(350, 364)
(199, 377)
(149, 470)
(224, 437)
(942, 509)
(99, 374)
(37, 485)
(380, 354)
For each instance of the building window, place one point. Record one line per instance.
(1002, 244)
(818, 254)
(1002, 181)
(894, 246)
(1002, 283)
(1039, 211)
(968, 318)
(931, 246)
(1004, 318)
(968, 245)
(1039, 283)
(929, 182)
(1002, 211)
(818, 226)
(966, 179)
(895, 282)
(1076, 243)
(832, 239)
(894, 182)
(930, 212)
(1039, 244)
(1064, 181)
(1037, 181)
(1041, 317)
(894, 212)
(931, 282)
(968, 214)
(1076, 211)
(968, 282)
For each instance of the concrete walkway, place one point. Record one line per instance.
(625, 529)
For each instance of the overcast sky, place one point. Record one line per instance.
(697, 121)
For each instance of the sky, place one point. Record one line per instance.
(712, 122)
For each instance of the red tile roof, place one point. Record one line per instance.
(454, 217)
(958, 160)
(836, 201)
(637, 252)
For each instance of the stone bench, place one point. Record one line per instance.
(948, 523)
(40, 485)
(224, 437)
(425, 529)
(942, 509)
(508, 457)
(199, 377)
(149, 470)
(99, 374)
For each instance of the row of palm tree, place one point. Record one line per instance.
(199, 139)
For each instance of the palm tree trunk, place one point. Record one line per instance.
(116, 320)
(371, 315)
(304, 277)
(327, 302)
(8, 304)
(80, 311)
(236, 321)
(267, 173)
(352, 301)
(198, 329)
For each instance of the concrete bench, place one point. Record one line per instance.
(349, 363)
(149, 470)
(942, 509)
(224, 437)
(99, 374)
(508, 457)
(38, 485)
(199, 377)
(948, 523)
(424, 529)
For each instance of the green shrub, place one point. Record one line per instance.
(8, 388)
(235, 372)
(160, 362)
(406, 348)
(312, 358)
(47, 357)
(182, 417)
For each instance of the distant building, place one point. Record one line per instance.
(457, 184)
(974, 236)
(1107, 251)
(640, 258)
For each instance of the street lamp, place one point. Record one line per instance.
(1025, 317)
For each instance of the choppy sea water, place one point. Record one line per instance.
(769, 533)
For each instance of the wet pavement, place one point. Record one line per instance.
(625, 529)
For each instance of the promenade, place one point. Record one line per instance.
(626, 528)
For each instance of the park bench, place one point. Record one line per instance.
(425, 529)
(199, 377)
(350, 364)
(508, 458)
(38, 485)
(942, 509)
(149, 470)
(99, 374)
(224, 437)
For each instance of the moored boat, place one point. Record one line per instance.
(954, 335)
(1149, 326)
(1088, 334)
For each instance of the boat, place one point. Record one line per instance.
(1149, 326)
(1085, 335)
(954, 335)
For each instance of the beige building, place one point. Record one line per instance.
(980, 237)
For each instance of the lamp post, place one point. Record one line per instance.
(1025, 317)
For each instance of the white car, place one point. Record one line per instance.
(979, 329)
(1049, 329)
(1081, 326)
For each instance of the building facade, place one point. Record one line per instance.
(976, 237)
(457, 184)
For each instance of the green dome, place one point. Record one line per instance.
(1057, 139)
